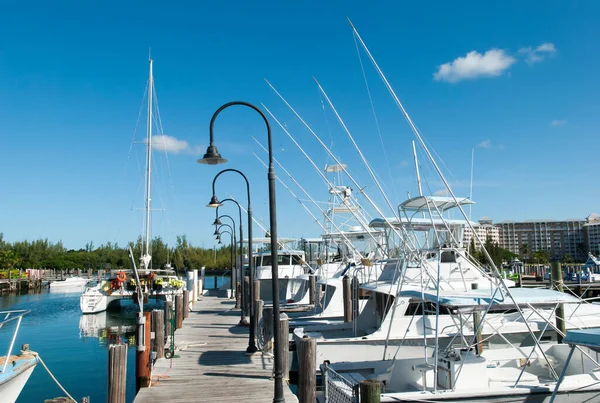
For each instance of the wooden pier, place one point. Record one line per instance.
(212, 364)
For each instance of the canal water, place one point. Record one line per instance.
(73, 346)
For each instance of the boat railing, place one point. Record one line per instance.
(10, 316)
(338, 389)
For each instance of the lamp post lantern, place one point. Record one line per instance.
(212, 157)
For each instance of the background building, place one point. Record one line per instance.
(558, 238)
(485, 229)
(591, 234)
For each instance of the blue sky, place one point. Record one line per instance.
(516, 81)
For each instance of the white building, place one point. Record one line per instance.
(559, 238)
(485, 230)
(591, 234)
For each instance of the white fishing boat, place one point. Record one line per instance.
(120, 284)
(15, 370)
(69, 282)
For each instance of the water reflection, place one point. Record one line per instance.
(114, 326)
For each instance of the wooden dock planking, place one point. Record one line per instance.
(214, 366)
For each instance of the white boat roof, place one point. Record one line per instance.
(418, 223)
(584, 337)
(480, 299)
(268, 240)
(279, 252)
(426, 203)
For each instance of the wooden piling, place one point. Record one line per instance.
(117, 373)
(268, 327)
(370, 391)
(284, 347)
(258, 310)
(347, 294)
(557, 284)
(307, 361)
(312, 289)
(256, 290)
(142, 367)
(186, 304)
(158, 327)
(178, 311)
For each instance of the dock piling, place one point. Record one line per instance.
(307, 360)
(142, 362)
(117, 373)
(370, 390)
(178, 311)
(268, 326)
(284, 346)
(347, 294)
(158, 327)
(312, 289)
(186, 303)
(168, 318)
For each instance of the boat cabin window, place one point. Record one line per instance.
(257, 260)
(416, 308)
(296, 260)
(283, 260)
(448, 256)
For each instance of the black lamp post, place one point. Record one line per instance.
(213, 157)
(233, 248)
(214, 202)
(241, 279)
(232, 245)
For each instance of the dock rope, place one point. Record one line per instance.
(37, 356)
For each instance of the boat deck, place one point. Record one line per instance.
(212, 364)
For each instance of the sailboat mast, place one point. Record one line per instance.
(146, 251)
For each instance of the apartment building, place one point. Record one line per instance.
(559, 238)
(485, 229)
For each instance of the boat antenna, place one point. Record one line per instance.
(471, 185)
(417, 168)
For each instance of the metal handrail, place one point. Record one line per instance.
(18, 316)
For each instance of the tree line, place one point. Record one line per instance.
(44, 254)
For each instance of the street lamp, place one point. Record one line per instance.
(233, 266)
(212, 157)
(214, 202)
(232, 245)
(243, 321)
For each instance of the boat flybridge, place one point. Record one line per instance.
(489, 352)
(428, 320)
(394, 317)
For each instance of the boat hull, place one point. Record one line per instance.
(15, 378)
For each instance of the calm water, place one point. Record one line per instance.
(73, 346)
(74, 349)
(209, 281)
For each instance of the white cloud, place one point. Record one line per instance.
(534, 55)
(403, 163)
(475, 65)
(173, 145)
(485, 144)
(441, 192)
(557, 122)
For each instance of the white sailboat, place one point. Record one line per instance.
(120, 284)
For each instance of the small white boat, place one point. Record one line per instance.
(69, 282)
(15, 370)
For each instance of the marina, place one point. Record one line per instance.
(402, 206)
